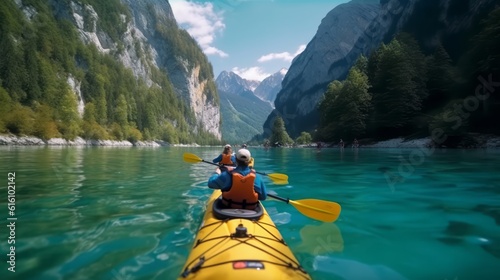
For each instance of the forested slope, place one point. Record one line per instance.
(54, 84)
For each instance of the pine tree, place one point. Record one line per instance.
(304, 138)
(68, 116)
(5, 106)
(12, 70)
(279, 136)
(441, 78)
(345, 107)
(121, 111)
(327, 111)
(398, 90)
(31, 84)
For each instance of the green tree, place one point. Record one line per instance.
(20, 120)
(328, 114)
(45, 127)
(398, 89)
(441, 80)
(304, 138)
(279, 136)
(121, 111)
(345, 107)
(5, 107)
(448, 127)
(118, 132)
(362, 64)
(133, 134)
(357, 103)
(89, 113)
(69, 119)
(93, 90)
(32, 80)
(169, 134)
(91, 129)
(12, 70)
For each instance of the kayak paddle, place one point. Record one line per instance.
(277, 178)
(321, 210)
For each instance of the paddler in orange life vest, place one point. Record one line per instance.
(226, 158)
(241, 187)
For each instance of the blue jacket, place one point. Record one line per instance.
(219, 159)
(224, 181)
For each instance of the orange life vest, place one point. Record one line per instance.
(226, 159)
(242, 194)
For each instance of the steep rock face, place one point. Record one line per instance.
(270, 86)
(323, 60)
(184, 75)
(359, 27)
(206, 110)
(141, 36)
(231, 82)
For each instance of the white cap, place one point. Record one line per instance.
(227, 146)
(243, 155)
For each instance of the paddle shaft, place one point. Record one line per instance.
(279, 198)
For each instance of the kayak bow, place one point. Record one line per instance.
(240, 244)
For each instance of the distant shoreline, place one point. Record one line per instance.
(484, 141)
(13, 140)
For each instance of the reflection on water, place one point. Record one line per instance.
(127, 213)
(320, 239)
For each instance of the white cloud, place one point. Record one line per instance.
(252, 73)
(285, 56)
(201, 22)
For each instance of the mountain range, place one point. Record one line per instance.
(123, 69)
(245, 104)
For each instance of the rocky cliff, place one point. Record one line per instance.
(358, 27)
(325, 58)
(141, 36)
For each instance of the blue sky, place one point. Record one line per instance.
(253, 38)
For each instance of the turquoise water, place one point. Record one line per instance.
(131, 213)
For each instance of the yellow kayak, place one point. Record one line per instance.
(240, 244)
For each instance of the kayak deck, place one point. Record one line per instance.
(229, 247)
